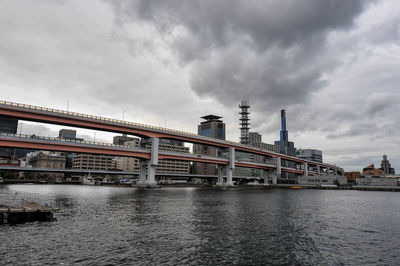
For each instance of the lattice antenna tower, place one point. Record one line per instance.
(244, 122)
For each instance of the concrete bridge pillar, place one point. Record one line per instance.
(305, 169)
(274, 177)
(318, 169)
(230, 167)
(278, 174)
(265, 174)
(221, 171)
(336, 172)
(142, 171)
(148, 167)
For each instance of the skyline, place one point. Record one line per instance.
(332, 65)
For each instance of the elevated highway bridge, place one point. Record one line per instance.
(272, 161)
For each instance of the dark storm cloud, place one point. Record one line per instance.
(271, 52)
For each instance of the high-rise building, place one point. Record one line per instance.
(213, 127)
(255, 139)
(385, 166)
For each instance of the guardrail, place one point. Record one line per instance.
(108, 145)
(99, 118)
(122, 122)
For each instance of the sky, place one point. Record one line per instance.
(333, 65)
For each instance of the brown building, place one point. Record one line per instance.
(372, 171)
(47, 160)
(352, 176)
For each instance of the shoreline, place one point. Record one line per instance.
(260, 186)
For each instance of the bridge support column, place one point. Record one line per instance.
(265, 174)
(230, 167)
(142, 171)
(305, 169)
(278, 171)
(221, 171)
(148, 167)
(319, 170)
(335, 172)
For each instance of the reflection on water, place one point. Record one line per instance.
(186, 226)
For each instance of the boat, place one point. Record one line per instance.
(88, 180)
(127, 181)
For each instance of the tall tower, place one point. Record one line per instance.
(284, 133)
(386, 168)
(244, 122)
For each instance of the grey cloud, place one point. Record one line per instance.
(377, 102)
(357, 130)
(270, 51)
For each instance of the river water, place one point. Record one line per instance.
(199, 226)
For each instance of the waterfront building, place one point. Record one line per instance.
(352, 176)
(370, 170)
(310, 154)
(213, 127)
(171, 166)
(127, 164)
(323, 179)
(385, 166)
(46, 159)
(164, 166)
(93, 161)
(377, 181)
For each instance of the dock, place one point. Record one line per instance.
(18, 207)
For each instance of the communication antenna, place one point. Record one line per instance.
(244, 122)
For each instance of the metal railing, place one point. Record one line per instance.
(19, 199)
